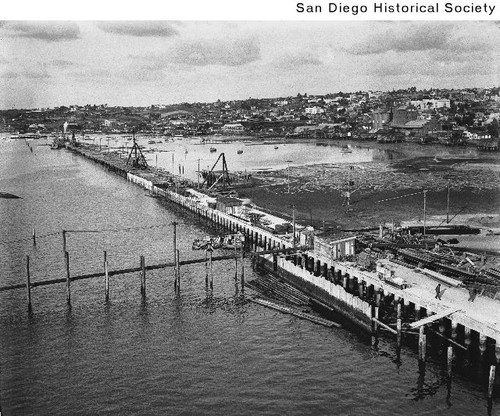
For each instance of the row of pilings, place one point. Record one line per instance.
(471, 351)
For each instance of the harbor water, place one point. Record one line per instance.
(183, 156)
(195, 353)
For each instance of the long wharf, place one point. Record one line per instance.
(368, 299)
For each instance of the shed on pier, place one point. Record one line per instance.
(334, 248)
(228, 205)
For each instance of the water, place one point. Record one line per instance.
(196, 353)
(182, 156)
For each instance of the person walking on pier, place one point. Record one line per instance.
(438, 292)
(472, 294)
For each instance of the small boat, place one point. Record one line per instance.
(240, 152)
(213, 150)
(275, 147)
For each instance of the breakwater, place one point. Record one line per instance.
(363, 297)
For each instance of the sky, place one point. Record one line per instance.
(140, 63)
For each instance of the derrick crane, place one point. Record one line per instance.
(213, 177)
(138, 159)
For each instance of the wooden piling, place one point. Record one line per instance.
(64, 241)
(106, 276)
(398, 325)
(178, 268)
(491, 381)
(206, 268)
(34, 238)
(449, 361)
(375, 320)
(372, 321)
(235, 258)
(175, 255)
(28, 281)
(143, 276)
(211, 272)
(242, 269)
(68, 278)
(422, 343)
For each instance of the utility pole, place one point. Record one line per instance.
(293, 223)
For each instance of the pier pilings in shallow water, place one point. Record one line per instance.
(359, 296)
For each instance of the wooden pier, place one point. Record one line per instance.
(358, 295)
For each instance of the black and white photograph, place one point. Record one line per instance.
(251, 217)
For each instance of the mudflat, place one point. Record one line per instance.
(382, 192)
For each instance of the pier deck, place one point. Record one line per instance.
(481, 315)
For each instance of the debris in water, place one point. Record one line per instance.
(7, 195)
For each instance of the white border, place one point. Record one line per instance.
(256, 10)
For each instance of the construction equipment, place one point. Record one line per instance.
(138, 159)
(214, 177)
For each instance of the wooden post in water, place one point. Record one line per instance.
(68, 290)
(34, 238)
(449, 361)
(491, 381)
(106, 276)
(178, 267)
(235, 258)
(242, 269)
(211, 272)
(206, 268)
(175, 255)
(422, 344)
(373, 323)
(398, 325)
(143, 276)
(28, 281)
(375, 313)
(64, 240)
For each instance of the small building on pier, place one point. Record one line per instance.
(334, 248)
(228, 205)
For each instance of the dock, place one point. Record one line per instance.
(328, 277)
